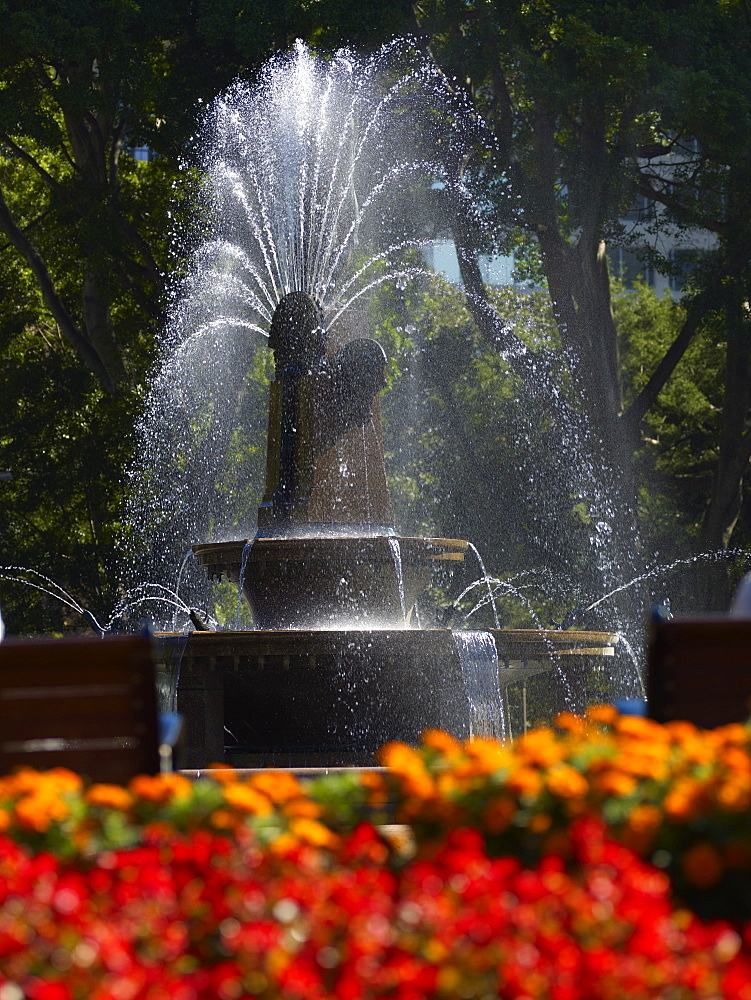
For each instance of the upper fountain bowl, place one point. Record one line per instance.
(338, 582)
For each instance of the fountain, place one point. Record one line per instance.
(304, 178)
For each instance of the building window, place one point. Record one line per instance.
(641, 209)
(629, 265)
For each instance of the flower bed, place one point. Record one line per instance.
(559, 867)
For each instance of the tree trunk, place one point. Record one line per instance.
(722, 513)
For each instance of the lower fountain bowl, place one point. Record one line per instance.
(332, 582)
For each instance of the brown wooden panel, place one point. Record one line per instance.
(120, 720)
(699, 669)
(98, 693)
(116, 766)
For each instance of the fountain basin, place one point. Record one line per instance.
(323, 698)
(336, 582)
(312, 698)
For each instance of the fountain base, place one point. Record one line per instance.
(332, 698)
(344, 581)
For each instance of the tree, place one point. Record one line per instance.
(700, 174)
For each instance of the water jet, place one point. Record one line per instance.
(305, 173)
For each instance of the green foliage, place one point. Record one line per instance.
(576, 93)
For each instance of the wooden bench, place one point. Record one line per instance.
(84, 703)
(699, 670)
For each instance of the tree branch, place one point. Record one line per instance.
(494, 331)
(639, 408)
(22, 154)
(70, 330)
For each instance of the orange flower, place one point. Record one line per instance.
(302, 807)
(526, 782)
(246, 799)
(498, 814)
(486, 756)
(738, 855)
(642, 729)
(406, 764)
(64, 780)
(685, 800)
(223, 819)
(702, 865)
(160, 788)
(565, 782)
(736, 759)
(614, 782)
(734, 795)
(570, 723)
(681, 730)
(436, 739)
(604, 715)
(644, 818)
(540, 747)
(38, 812)
(734, 734)
(109, 797)
(642, 763)
(557, 842)
(310, 831)
(225, 774)
(377, 788)
(540, 823)
(642, 824)
(279, 786)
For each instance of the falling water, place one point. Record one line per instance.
(486, 578)
(478, 659)
(241, 581)
(308, 177)
(396, 553)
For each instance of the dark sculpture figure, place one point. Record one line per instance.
(325, 452)
(326, 554)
